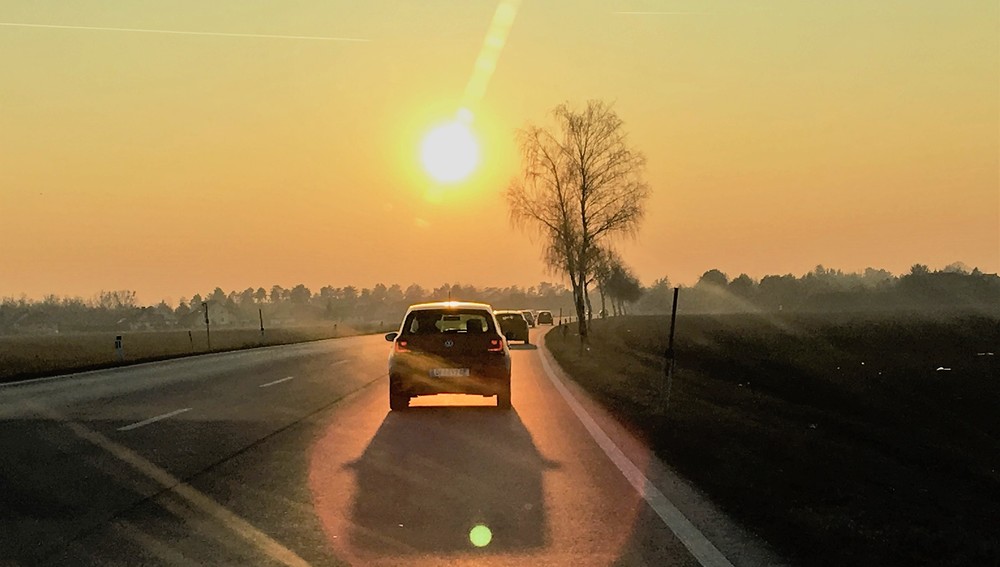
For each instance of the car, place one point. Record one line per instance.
(544, 318)
(529, 317)
(513, 325)
(451, 347)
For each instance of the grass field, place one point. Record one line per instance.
(30, 356)
(836, 439)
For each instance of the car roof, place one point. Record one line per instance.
(450, 305)
(508, 311)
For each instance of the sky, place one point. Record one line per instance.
(779, 134)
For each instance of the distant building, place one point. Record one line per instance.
(149, 319)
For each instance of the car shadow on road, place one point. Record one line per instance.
(76, 492)
(432, 474)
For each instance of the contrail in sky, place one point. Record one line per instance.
(664, 13)
(489, 54)
(178, 32)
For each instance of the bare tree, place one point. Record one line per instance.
(604, 263)
(117, 299)
(581, 185)
(623, 288)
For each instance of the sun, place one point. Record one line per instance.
(450, 152)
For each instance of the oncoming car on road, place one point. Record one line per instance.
(513, 325)
(448, 348)
(544, 318)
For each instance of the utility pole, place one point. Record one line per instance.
(260, 312)
(208, 328)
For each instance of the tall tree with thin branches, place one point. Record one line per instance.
(581, 185)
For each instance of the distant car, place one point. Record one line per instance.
(529, 317)
(513, 325)
(544, 318)
(448, 348)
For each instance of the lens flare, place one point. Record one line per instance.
(480, 535)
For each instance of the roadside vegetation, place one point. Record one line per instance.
(840, 439)
(32, 356)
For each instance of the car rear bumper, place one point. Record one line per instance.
(413, 377)
(422, 386)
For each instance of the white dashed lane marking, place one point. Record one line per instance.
(285, 379)
(145, 422)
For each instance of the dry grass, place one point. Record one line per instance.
(30, 356)
(836, 438)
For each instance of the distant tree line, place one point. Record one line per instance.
(955, 287)
(616, 292)
(277, 306)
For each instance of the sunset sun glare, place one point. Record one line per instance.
(450, 152)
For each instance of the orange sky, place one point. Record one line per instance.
(779, 135)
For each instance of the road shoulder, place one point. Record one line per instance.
(738, 545)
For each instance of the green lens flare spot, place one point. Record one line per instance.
(480, 535)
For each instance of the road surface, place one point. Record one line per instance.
(289, 456)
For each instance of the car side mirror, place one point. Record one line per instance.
(391, 336)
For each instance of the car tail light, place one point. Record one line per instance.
(496, 345)
(401, 346)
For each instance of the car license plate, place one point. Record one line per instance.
(449, 372)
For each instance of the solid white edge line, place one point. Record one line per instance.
(285, 379)
(139, 424)
(703, 550)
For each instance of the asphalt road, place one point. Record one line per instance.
(289, 456)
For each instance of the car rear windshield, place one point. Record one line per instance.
(435, 321)
(504, 317)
